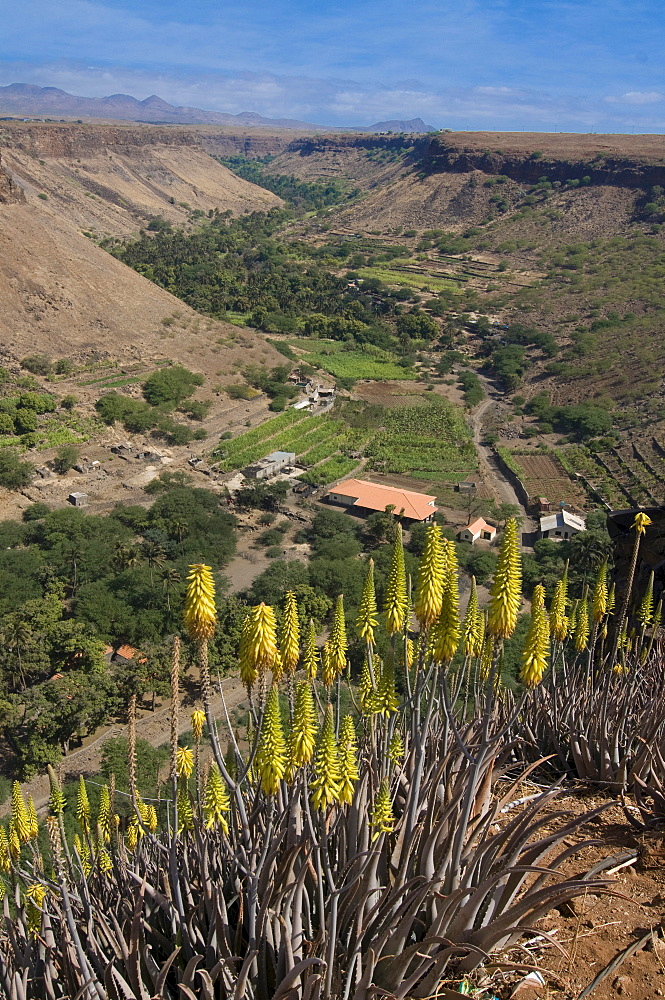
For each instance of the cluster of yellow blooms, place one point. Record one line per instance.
(330, 750)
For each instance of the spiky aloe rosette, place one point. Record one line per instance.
(366, 816)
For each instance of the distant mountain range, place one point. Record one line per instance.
(25, 99)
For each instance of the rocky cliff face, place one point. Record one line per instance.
(10, 191)
(440, 155)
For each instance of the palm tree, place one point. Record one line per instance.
(589, 550)
(126, 556)
(16, 636)
(179, 529)
(154, 555)
(170, 580)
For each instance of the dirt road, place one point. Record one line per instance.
(490, 469)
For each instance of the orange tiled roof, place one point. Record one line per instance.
(480, 524)
(374, 496)
(127, 652)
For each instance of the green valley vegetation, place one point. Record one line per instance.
(255, 268)
(305, 196)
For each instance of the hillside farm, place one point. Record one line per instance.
(630, 475)
(430, 442)
(545, 476)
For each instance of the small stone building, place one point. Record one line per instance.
(477, 529)
(270, 466)
(561, 525)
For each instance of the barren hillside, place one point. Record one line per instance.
(110, 180)
(64, 295)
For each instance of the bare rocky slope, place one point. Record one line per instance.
(64, 295)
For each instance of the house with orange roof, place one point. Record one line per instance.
(364, 498)
(477, 529)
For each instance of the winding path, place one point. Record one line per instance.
(490, 470)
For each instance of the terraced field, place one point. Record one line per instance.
(544, 476)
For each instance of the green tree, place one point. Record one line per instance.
(66, 457)
(14, 473)
(170, 385)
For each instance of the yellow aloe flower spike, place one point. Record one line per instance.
(271, 755)
(505, 593)
(303, 734)
(35, 895)
(599, 603)
(385, 700)
(200, 612)
(472, 628)
(258, 644)
(104, 818)
(429, 592)
(446, 632)
(83, 806)
(581, 635)
(19, 814)
(185, 815)
(367, 620)
(395, 603)
(396, 748)
(184, 761)
(56, 800)
(32, 818)
(611, 599)
(217, 802)
(289, 645)
(641, 522)
(645, 611)
(104, 861)
(325, 783)
(337, 643)
(5, 860)
(559, 624)
(348, 761)
(311, 656)
(537, 643)
(198, 722)
(383, 820)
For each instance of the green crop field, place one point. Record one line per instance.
(397, 276)
(358, 364)
(327, 472)
(428, 443)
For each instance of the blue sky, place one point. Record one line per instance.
(566, 65)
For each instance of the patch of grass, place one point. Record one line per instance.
(358, 364)
(399, 277)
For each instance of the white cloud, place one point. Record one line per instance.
(329, 101)
(637, 97)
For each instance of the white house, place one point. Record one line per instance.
(561, 525)
(269, 466)
(477, 529)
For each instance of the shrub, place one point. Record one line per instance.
(170, 385)
(6, 424)
(25, 421)
(13, 472)
(241, 391)
(66, 457)
(38, 364)
(36, 511)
